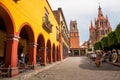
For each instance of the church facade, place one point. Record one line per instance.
(100, 28)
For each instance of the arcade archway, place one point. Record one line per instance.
(57, 54)
(53, 53)
(9, 40)
(26, 45)
(40, 49)
(48, 52)
(3, 34)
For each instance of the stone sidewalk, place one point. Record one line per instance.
(79, 68)
(71, 68)
(29, 73)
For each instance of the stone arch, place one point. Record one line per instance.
(26, 26)
(40, 49)
(7, 18)
(48, 52)
(6, 27)
(57, 54)
(10, 39)
(54, 53)
(27, 43)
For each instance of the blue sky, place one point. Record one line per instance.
(83, 11)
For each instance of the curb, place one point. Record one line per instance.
(116, 64)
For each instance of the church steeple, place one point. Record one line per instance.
(100, 28)
(100, 14)
(73, 26)
(91, 25)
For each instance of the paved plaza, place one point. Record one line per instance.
(79, 68)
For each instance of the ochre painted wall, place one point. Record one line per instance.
(32, 12)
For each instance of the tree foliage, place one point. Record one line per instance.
(112, 40)
(104, 43)
(97, 45)
(117, 31)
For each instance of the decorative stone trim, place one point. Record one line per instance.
(13, 37)
(33, 44)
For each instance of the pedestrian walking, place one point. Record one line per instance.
(98, 59)
(22, 57)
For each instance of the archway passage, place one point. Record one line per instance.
(48, 52)
(40, 56)
(76, 52)
(3, 34)
(23, 46)
(82, 52)
(57, 56)
(9, 40)
(26, 47)
(7, 18)
(53, 53)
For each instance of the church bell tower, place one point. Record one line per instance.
(74, 39)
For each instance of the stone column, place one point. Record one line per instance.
(79, 52)
(32, 54)
(39, 54)
(86, 51)
(60, 48)
(59, 52)
(53, 56)
(43, 56)
(50, 56)
(11, 57)
(73, 52)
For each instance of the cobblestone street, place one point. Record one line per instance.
(79, 68)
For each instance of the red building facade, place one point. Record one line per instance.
(74, 39)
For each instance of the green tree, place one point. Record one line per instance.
(112, 40)
(104, 43)
(97, 46)
(89, 49)
(117, 31)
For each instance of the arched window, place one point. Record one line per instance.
(73, 27)
(102, 32)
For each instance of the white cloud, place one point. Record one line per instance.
(86, 10)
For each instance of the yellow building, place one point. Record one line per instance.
(29, 27)
(64, 33)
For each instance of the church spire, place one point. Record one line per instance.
(100, 14)
(91, 24)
